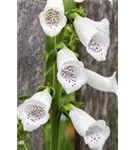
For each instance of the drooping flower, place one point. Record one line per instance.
(71, 73)
(52, 19)
(101, 83)
(94, 36)
(78, 1)
(95, 133)
(34, 111)
(111, 1)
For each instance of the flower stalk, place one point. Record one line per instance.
(55, 108)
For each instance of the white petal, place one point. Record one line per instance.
(102, 26)
(71, 73)
(100, 41)
(55, 11)
(97, 134)
(94, 36)
(55, 4)
(33, 113)
(101, 83)
(110, 1)
(78, 1)
(84, 29)
(45, 97)
(65, 55)
(32, 126)
(81, 120)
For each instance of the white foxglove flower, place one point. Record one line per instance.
(34, 111)
(71, 73)
(94, 36)
(78, 1)
(110, 1)
(95, 133)
(101, 83)
(52, 19)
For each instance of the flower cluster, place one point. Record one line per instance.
(72, 74)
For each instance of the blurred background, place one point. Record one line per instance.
(31, 49)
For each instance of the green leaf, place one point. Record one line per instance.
(40, 88)
(60, 45)
(70, 38)
(81, 11)
(21, 134)
(69, 29)
(74, 41)
(72, 13)
(78, 104)
(50, 89)
(23, 98)
(23, 145)
(52, 92)
(69, 4)
(21, 142)
(66, 98)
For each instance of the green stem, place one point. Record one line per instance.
(55, 108)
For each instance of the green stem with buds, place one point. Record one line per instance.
(52, 79)
(55, 107)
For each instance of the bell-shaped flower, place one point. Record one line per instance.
(71, 73)
(101, 83)
(52, 19)
(95, 133)
(111, 1)
(34, 111)
(94, 36)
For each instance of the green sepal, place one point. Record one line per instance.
(23, 98)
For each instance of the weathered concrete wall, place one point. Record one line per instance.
(31, 47)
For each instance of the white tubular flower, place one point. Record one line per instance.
(95, 133)
(101, 83)
(78, 1)
(110, 1)
(81, 120)
(52, 19)
(71, 73)
(34, 111)
(94, 36)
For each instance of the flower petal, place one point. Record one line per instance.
(99, 43)
(33, 113)
(84, 29)
(111, 1)
(52, 21)
(55, 4)
(102, 26)
(32, 126)
(81, 120)
(101, 83)
(65, 55)
(71, 74)
(45, 97)
(94, 35)
(97, 134)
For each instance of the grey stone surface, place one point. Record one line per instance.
(31, 47)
